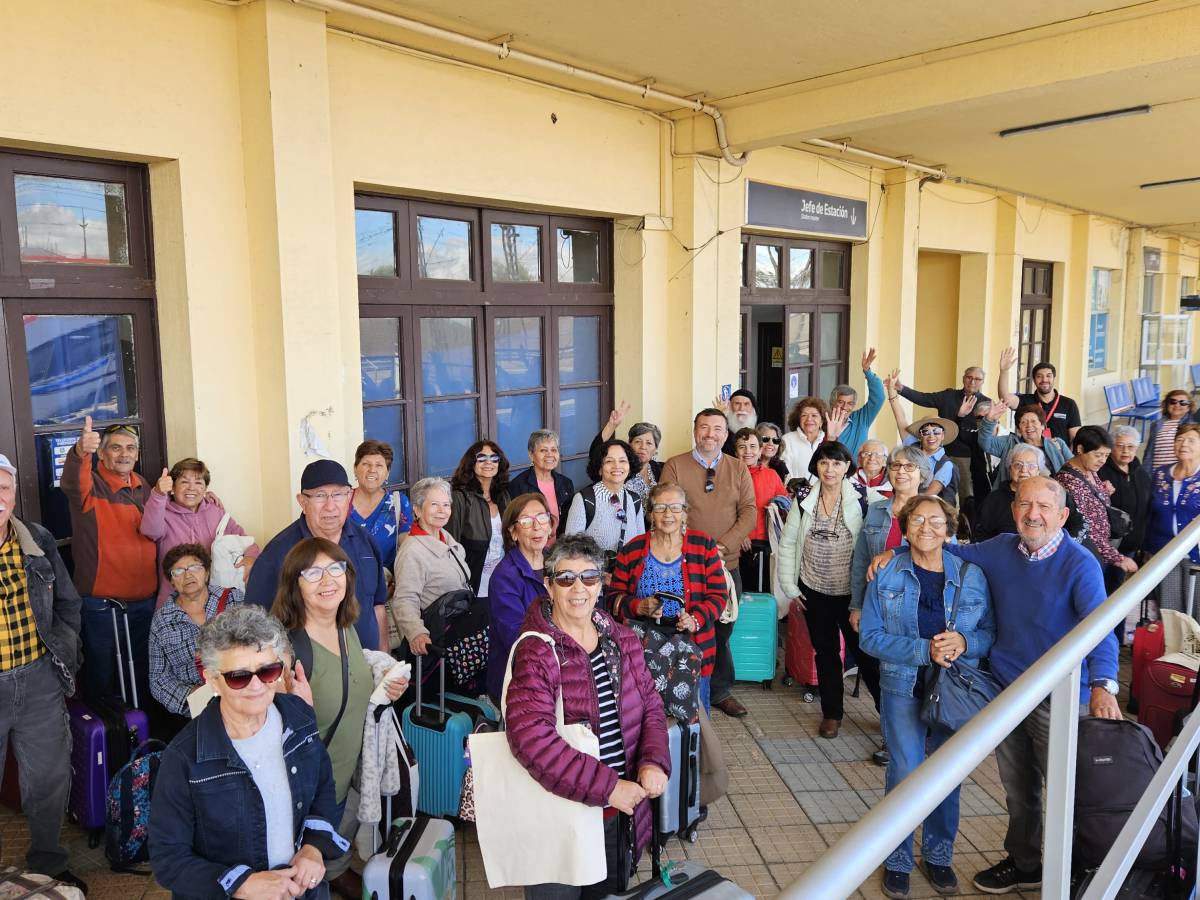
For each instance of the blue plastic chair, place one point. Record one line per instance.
(1147, 409)
(1195, 378)
(1119, 400)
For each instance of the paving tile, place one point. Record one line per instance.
(975, 800)
(788, 843)
(848, 747)
(723, 849)
(721, 815)
(984, 833)
(832, 806)
(792, 750)
(769, 810)
(805, 777)
(757, 879)
(862, 775)
(761, 779)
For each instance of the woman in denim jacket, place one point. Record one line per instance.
(904, 626)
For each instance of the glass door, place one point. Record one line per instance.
(449, 347)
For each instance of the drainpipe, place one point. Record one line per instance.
(843, 147)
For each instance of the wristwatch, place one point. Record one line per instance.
(1108, 684)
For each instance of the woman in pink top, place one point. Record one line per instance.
(181, 510)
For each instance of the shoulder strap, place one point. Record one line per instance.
(302, 649)
(962, 576)
(588, 495)
(328, 738)
(221, 527)
(512, 655)
(223, 601)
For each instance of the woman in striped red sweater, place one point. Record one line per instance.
(671, 559)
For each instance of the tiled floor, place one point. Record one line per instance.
(791, 796)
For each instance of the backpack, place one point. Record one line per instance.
(127, 823)
(588, 496)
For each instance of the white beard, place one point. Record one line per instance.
(738, 421)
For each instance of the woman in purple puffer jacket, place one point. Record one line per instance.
(601, 671)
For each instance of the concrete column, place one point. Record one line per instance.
(975, 286)
(1006, 290)
(286, 140)
(1072, 313)
(1131, 316)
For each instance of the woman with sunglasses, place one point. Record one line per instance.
(175, 630)
(518, 581)
(316, 603)
(249, 757)
(770, 436)
(815, 555)
(598, 668)
(480, 485)
(607, 510)
(1177, 409)
(673, 559)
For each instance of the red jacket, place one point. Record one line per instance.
(704, 591)
(767, 484)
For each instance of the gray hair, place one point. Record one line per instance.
(418, 493)
(637, 429)
(842, 390)
(775, 428)
(911, 453)
(574, 546)
(542, 435)
(1025, 450)
(876, 442)
(981, 407)
(242, 625)
(1126, 431)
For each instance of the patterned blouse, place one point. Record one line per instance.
(1173, 505)
(1087, 495)
(828, 551)
(173, 640)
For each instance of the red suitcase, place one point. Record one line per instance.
(1166, 690)
(799, 658)
(1149, 643)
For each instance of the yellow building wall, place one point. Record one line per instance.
(937, 321)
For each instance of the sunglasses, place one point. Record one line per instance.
(589, 577)
(709, 475)
(616, 504)
(487, 457)
(1179, 401)
(767, 439)
(119, 429)
(313, 574)
(931, 429)
(239, 678)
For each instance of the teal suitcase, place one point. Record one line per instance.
(753, 642)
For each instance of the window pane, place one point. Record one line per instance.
(516, 252)
(766, 266)
(375, 242)
(1027, 280)
(578, 349)
(67, 220)
(576, 470)
(447, 356)
(831, 336)
(386, 423)
(832, 276)
(516, 416)
(443, 248)
(80, 365)
(579, 417)
(52, 450)
(578, 256)
(828, 379)
(800, 262)
(450, 428)
(379, 343)
(518, 353)
(799, 346)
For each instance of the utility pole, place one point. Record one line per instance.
(84, 226)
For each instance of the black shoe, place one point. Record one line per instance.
(881, 757)
(66, 876)
(1004, 876)
(731, 707)
(895, 884)
(941, 878)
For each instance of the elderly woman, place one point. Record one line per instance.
(672, 559)
(1177, 409)
(542, 477)
(807, 424)
(480, 491)
(925, 608)
(180, 510)
(756, 549)
(429, 563)
(1132, 490)
(815, 554)
(872, 467)
(1031, 425)
(995, 514)
(770, 436)
(1092, 446)
(598, 668)
(244, 802)
(385, 515)
(644, 438)
(607, 510)
(1175, 503)
(518, 581)
(316, 603)
(175, 630)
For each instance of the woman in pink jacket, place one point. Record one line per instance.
(601, 671)
(181, 510)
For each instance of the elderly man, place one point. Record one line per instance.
(995, 513)
(324, 500)
(872, 467)
(857, 421)
(39, 657)
(740, 412)
(1061, 413)
(720, 496)
(113, 559)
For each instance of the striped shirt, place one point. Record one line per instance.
(612, 746)
(1164, 444)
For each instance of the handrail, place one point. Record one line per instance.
(841, 870)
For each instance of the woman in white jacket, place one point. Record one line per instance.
(806, 426)
(815, 554)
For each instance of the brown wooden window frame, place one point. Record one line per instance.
(1037, 295)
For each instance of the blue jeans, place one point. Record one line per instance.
(908, 741)
(100, 677)
(706, 692)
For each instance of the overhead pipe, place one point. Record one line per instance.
(503, 51)
(844, 147)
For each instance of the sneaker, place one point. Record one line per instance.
(881, 757)
(895, 884)
(941, 878)
(1004, 876)
(66, 876)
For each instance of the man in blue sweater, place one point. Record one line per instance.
(858, 421)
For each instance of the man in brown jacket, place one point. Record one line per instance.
(721, 504)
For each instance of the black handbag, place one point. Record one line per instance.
(953, 695)
(1119, 521)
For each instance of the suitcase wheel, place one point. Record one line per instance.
(788, 681)
(692, 835)
(94, 838)
(768, 684)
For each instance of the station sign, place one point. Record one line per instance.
(773, 206)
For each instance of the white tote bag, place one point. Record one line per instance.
(527, 835)
(227, 551)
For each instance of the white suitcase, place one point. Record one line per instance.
(416, 862)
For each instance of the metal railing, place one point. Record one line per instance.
(841, 870)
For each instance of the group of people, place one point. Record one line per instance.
(292, 638)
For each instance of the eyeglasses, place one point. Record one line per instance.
(313, 574)
(487, 457)
(1179, 401)
(240, 678)
(194, 567)
(709, 475)
(873, 454)
(589, 577)
(931, 429)
(326, 496)
(673, 507)
(902, 467)
(932, 521)
(1023, 466)
(528, 521)
(767, 439)
(618, 509)
(823, 534)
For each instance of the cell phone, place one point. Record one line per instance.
(672, 605)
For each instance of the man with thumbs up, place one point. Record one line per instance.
(113, 560)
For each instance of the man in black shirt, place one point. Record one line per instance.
(1062, 413)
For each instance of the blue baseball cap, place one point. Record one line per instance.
(322, 472)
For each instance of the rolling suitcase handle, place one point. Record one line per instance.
(113, 606)
(433, 650)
